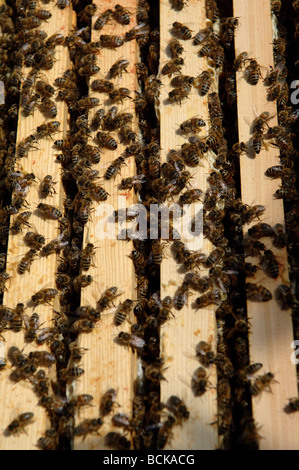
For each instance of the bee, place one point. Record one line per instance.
(122, 311)
(87, 256)
(87, 12)
(78, 401)
(70, 374)
(47, 186)
(261, 383)
(45, 130)
(34, 240)
(32, 324)
(127, 339)
(199, 382)
(117, 441)
(270, 264)
(50, 440)
(284, 296)
(211, 297)
(192, 125)
(292, 406)
(19, 424)
(16, 357)
(20, 220)
(178, 5)
(102, 19)
(172, 66)
(181, 31)
(205, 353)
(44, 89)
(139, 32)
(44, 296)
(84, 325)
(257, 292)
(240, 60)
(98, 119)
(175, 48)
(204, 81)
(49, 212)
(286, 193)
(107, 402)
(110, 41)
(106, 298)
(260, 230)
(280, 236)
(114, 168)
(252, 72)
(179, 93)
(119, 94)
(82, 281)
(181, 296)
(42, 358)
(118, 68)
(54, 246)
(105, 140)
(127, 134)
(102, 86)
(26, 261)
(121, 15)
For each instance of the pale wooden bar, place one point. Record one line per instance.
(19, 397)
(106, 363)
(181, 334)
(271, 331)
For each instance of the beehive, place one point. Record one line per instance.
(229, 409)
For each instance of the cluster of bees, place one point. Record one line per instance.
(152, 422)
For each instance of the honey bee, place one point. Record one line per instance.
(192, 125)
(82, 281)
(204, 81)
(119, 94)
(117, 441)
(26, 261)
(44, 89)
(54, 246)
(50, 440)
(181, 296)
(16, 357)
(172, 66)
(32, 324)
(44, 296)
(114, 168)
(181, 31)
(139, 32)
(19, 424)
(261, 383)
(240, 60)
(47, 186)
(121, 15)
(83, 325)
(110, 41)
(284, 296)
(105, 140)
(102, 19)
(252, 72)
(46, 130)
(34, 240)
(260, 230)
(107, 402)
(49, 212)
(257, 292)
(118, 68)
(87, 256)
(70, 374)
(20, 220)
(179, 93)
(127, 134)
(270, 264)
(41, 358)
(199, 382)
(175, 48)
(211, 297)
(292, 406)
(87, 12)
(106, 298)
(132, 340)
(205, 353)
(122, 311)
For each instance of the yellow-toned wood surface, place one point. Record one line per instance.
(106, 363)
(271, 328)
(181, 334)
(19, 397)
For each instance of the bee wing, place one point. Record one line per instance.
(137, 342)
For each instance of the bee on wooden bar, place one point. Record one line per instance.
(87, 12)
(47, 186)
(240, 60)
(139, 32)
(26, 261)
(199, 382)
(284, 296)
(261, 383)
(16, 357)
(205, 354)
(44, 296)
(19, 221)
(106, 140)
(118, 68)
(172, 66)
(252, 72)
(41, 358)
(128, 339)
(19, 424)
(46, 130)
(82, 281)
(110, 41)
(102, 19)
(117, 441)
(292, 406)
(34, 240)
(270, 264)
(32, 324)
(119, 94)
(49, 212)
(114, 168)
(121, 15)
(122, 311)
(181, 31)
(178, 94)
(84, 325)
(44, 89)
(108, 402)
(257, 292)
(204, 81)
(106, 298)
(175, 48)
(212, 297)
